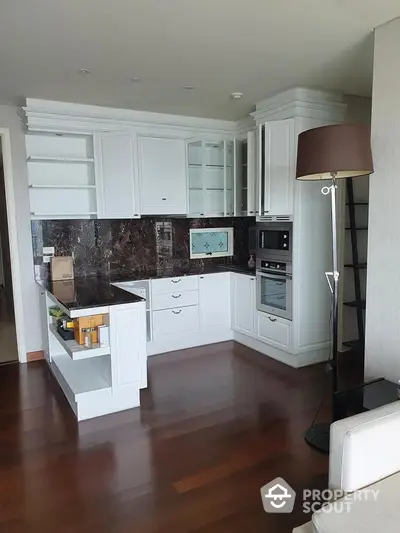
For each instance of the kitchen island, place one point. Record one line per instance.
(101, 379)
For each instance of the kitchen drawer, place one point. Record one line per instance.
(174, 285)
(273, 329)
(168, 301)
(170, 322)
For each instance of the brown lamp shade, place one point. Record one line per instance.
(341, 149)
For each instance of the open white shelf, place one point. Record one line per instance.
(87, 375)
(77, 351)
(61, 159)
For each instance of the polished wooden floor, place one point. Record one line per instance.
(216, 423)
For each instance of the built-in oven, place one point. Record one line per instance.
(274, 287)
(274, 239)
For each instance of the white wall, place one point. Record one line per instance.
(383, 281)
(10, 119)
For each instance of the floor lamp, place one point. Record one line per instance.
(332, 153)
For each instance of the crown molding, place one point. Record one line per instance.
(46, 115)
(301, 102)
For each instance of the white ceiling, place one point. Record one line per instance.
(258, 47)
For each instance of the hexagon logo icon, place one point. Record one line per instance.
(278, 496)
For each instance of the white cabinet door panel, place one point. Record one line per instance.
(214, 301)
(162, 171)
(128, 345)
(279, 169)
(116, 175)
(244, 304)
(170, 322)
(274, 330)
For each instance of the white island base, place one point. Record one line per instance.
(100, 380)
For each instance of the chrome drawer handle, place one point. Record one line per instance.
(272, 319)
(177, 312)
(176, 295)
(176, 280)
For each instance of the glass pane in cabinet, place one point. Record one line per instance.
(244, 165)
(214, 202)
(195, 153)
(195, 177)
(273, 292)
(196, 202)
(214, 154)
(214, 178)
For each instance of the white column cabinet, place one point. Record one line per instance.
(116, 166)
(214, 301)
(244, 304)
(162, 176)
(276, 167)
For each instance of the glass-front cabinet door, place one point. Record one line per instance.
(229, 177)
(210, 178)
(195, 178)
(245, 176)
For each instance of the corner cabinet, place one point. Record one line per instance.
(214, 301)
(277, 144)
(162, 176)
(116, 170)
(244, 304)
(210, 178)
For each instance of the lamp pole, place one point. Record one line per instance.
(333, 281)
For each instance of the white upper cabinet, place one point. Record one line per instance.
(215, 301)
(162, 176)
(245, 176)
(210, 178)
(116, 175)
(277, 153)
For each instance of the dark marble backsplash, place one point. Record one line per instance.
(109, 246)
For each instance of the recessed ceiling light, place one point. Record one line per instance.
(134, 79)
(188, 87)
(84, 71)
(236, 96)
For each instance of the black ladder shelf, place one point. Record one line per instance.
(359, 303)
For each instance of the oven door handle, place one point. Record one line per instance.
(262, 239)
(274, 276)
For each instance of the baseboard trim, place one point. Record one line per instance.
(188, 341)
(294, 360)
(34, 356)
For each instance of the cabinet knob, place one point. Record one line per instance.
(272, 319)
(175, 280)
(163, 199)
(176, 295)
(201, 277)
(266, 212)
(177, 312)
(202, 214)
(136, 215)
(252, 279)
(251, 212)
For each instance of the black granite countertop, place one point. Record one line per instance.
(97, 291)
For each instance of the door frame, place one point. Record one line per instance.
(5, 138)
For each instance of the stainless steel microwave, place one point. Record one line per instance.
(274, 239)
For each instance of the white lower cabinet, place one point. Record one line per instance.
(274, 330)
(243, 303)
(215, 301)
(169, 322)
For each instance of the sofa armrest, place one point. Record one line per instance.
(364, 448)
